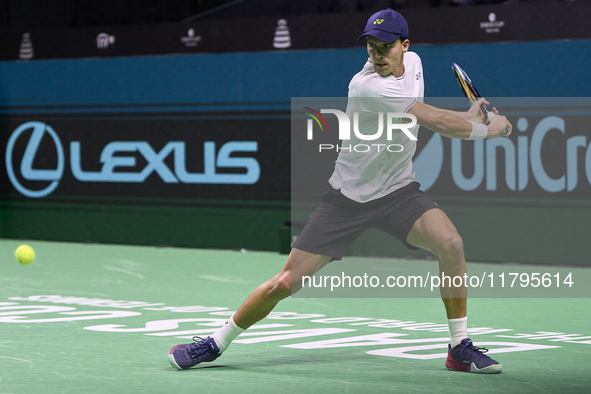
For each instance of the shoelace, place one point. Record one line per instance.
(198, 349)
(474, 349)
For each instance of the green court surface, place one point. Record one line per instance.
(87, 318)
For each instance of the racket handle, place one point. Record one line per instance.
(490, 116)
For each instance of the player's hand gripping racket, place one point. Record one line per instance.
(470, 91)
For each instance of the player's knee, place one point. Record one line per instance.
(281, 286)
(452, 244)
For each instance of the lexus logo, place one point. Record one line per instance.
(26, 167)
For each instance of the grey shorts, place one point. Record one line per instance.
(338, 220)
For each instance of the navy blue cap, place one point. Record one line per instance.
(386, 25)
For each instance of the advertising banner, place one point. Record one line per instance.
(547, 157)
(165, 155)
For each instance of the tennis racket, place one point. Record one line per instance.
(470, 91)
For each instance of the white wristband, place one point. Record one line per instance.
(479, 131)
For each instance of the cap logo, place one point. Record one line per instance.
(378, 21)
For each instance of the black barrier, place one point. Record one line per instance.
(490, 23)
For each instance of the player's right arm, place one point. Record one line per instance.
(474, 113)
(451, 125)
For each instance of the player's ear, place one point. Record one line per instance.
(405, 43)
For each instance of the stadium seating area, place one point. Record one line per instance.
(29, 14)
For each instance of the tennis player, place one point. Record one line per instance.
(375, 189)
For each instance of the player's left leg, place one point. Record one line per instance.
(434, 232)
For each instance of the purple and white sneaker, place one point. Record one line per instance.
(189, 355)
(468, 358)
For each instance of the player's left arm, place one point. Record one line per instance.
(450, 125)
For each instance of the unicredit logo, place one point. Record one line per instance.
(119, 155)
(521, 157)
(26, 167)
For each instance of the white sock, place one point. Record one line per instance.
(226, 334)
(458, 330)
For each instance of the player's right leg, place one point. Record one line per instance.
(256, 307)
(332, 227)
(264, 298)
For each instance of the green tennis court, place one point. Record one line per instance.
(86, 318)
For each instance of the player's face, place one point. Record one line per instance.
(387, 57)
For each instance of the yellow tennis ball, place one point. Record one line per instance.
(24, 254)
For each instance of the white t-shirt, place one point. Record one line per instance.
(365, 176)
